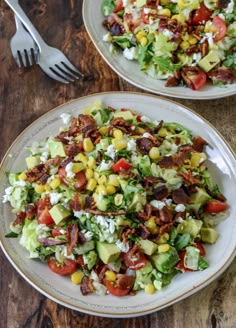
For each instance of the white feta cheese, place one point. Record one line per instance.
(157, 204)
(147, 11)
(66, 118)
(130, 53)
(131, 145)
(111, 152)
(7, 196)
(197, 56)
(180, 220)
(107, 37)
(78, 214)
(21, 183)
(145, 119)
(180, 208)
(123, 247)
(147, 135)
(168, 33)
(88, 235)
(44, 156)
(69, 173)
(105, 166)
(55, 197)
(42, 231)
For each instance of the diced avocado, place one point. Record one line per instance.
(56, 148)
(164, 262)
(126, 115)
(59, 213)
(200, 197)
(190, 226)
(101, 202)
(209, 235)
(32, 161)
(148, 246)
(107, 252)
(147, 268)
(140, 3)
(137, 203)
(85, 247)
(209, 61)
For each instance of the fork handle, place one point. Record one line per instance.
(15, 6)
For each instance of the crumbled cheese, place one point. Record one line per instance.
(131, 145)
(111, 152)
(78, 214)
(180, 220)
(147, 135)
(123, 247)
(168, 33)
(107, 37)
(105, 166)
(157, 204)
(197, 56)
(88, 235)
(130, 53)
(147, 11)
(69, 173)
(180, 208)
(8, 192)
(145, 119)
(42, 231)
(106, 222)
(66, 118)
(55, 197)
(44, 156)
(21, 183)
(230, 7)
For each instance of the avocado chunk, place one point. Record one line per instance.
(140, 3)
(209, 235)
(126, 115)
(137, 203)
(200, 197)
(107, 252)
(148, 246)
(59, 213)
(190, 226)
(56, 148)
(209, 61)
(164, 262)
(32, 161)
(85, 247)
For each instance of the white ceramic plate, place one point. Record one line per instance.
(129, 70)
(60, 289)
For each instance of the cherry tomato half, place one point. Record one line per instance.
(62, 174)
(119, 5)
(134, 261)
(215, 206)
(201, 248)
(65, 268)
(194, 77)
(202, 15)
(114, 290)
(219, 27)
(80, 180)
(122, 164)
(43, 214)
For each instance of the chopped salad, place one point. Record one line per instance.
(185, 42)
(117, 201)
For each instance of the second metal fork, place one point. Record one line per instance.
(24, 50)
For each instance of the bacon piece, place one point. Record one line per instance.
(143, 231)
(165, 214)
(222, 4)
(30, 210)
(125, 232)
(199, 143)
(165, 228)
(63, 137)
(72, 150)
(125, 281)
(121, 124)
(180, 197)
(171, 82)
(20, 219)
(72, 233)
(98, 212)
(222, 74)
(90, 203)
(189, 179)
(75, 204)
(159, 126)
(66, 161)
(166, 162)
(56, 161)
(183, 153)
(36, 173)
(86, 286)
(161, 192)
(144, 145)
(81, 238)
(51, 241)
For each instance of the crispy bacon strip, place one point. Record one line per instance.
(161, 192)
(37, 172)
(165, 214)
(98, 212)
(72, 234)
(51, 241)
(20, 218)
(199, 143)
(86, 286)
(189, 179)
(180, 197)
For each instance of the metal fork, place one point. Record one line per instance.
(51, 60)
(24, 50)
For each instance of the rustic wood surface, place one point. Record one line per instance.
(26, 94)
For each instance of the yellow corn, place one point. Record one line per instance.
(81, 157)
(77, 167)
(77, 277)
(149, 289)
(184, 45)
(91, 185)
(113, 180)
(179, 17)
(140, 34)
(110, 190)
(118, 134)
(151, 224)
(163, 238)
(119, 144)
(163, 132)
(78, 138)
(22, 176)
(122, 222)
(102, 180)
(39, 188)
(103, 130)
(101, 190)
(154, 153)
(192, 40)
(88, 145)
(163, 248)
(126, 26)
(143, 41)
(164, 2)
(91, 162)
(164, 12)
(190, 4)
(197, 159)
(89, 173)
(47, 187)
(55, 183)
(110, 275)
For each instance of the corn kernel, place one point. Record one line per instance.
(154, 153)
(192, 40)
(149, 289)
(163, 248)
(47, 187)
(101, 190)
(55, 183)
(119, 144)
(122, 222)
(102, 180)
(143, 41)
(39, 188)
(164, 12)
(22, 176)
(77, 167)
(113, 180)
(89, 174)
(186, 4)
(164, 2)
(110, 190)
(103, 130)
(163, 238)
(184, 45)
(163, 132)
(91, 162)
(91, 185)
(118, 134)
(140, 34)
(197, 159)
(118, 199)
(77, 277)
(151, 224)
(110, 275)
(88, 145)
(179, 17)
(81, 157)
(78, 138)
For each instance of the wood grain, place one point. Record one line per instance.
(26, 94)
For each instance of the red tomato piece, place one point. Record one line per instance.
(194, 77)
(81, 180)
(139, 118)
(57, 232)
(67, 267)
(63, 176)
(215, 206)
(134, 260)
(122, 164)
(220, 28)
(114, 290)
(119, 6)
(201, 248)
(180, 265)
(202, 15)
(42, 212)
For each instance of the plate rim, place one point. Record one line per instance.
(152, 308)
(168, 92)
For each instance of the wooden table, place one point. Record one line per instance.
(26, 94)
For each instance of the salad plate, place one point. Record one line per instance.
(221, 163)
(130, 69)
